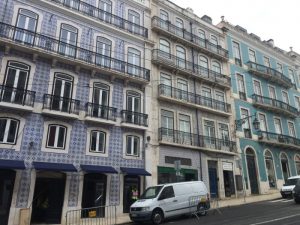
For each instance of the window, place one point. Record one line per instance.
(68, 40)
(285, 166)
(285, 97)
(133, 107)
(180, 53)
(209, 133)
(203, 62)
(134, 18)
(167, 124)
(166, 84)
(237, 53)
(224, 132)
(26, 21)
(98, 141)
(297, 162)
(182, 93)
(267, 62)
(15, 82)
(292, 131)
(164, 48)
(8, 130)
(180, 27)
(279, 67)
(216, 67)
(297, 102)
(220, 104)
(164, 16)
(291, 75)
(167, 192)
(106, 9)
(134, 61)
(263, 122)
(257, 91)
(202, 38)
(252, 56)
(246, 124)
(272, 92)
(184, 123)
(278, 128)
(241, 87)
(100, 100)
(207, 100)
(214, 40)
(103, 50)
(133, 145)
(72, 3)
(56, 137)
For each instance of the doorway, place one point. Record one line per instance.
(228, 183)
(285, 166)
(7, 180)
(94, 193)
(213, 179)
(48, 198)
(131, 183)
(252, 170)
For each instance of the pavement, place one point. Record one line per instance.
(253, 210)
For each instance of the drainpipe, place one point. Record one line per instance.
(197, 116)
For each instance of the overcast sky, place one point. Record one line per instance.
(276, 19)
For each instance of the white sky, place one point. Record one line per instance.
(269, 19)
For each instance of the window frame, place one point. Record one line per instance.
(103, 151)
(16, 136)
(131, 154)
(254, 55)
(65, 137)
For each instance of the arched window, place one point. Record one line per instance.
(135, 20)
(134, 61)
(270, 169)
(106, 9)
(164, 47)
(68, 40)
(202, 37)
(103, 49)
(203, 62)
(216, 67)
(164, 18)
(27, 20)
(297, 162)
(214, 40)
(285, 166)
(181, 57)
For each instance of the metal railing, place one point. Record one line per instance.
(280, 138)
(267, 70)
(101, 215)
(134, 118)
(17, 96)
(186, 138)
(50, 44)
(190, 97)
(101, 111)
(103, 16)
(182, 33)
(274, 103)
(61, 104)
(182, 64)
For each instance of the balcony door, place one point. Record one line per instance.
(105, 12)
(224, 136)
(182, 92)
(258, 91)
(272, 92)
(203, 62)
(220, 104)
(180, 27)
(263, 122)
(166, 85)
(133, 107)
(278, 128)
(68, 40)
(206, 95)
(292, 131)
(164, 16)
(103, 49)
(15, 82)
(185, 129)
(100, 100)
(285, 166)
(181, 57)
(26, 26)
(135, 20)
(167, 125)
(134, 61)
(209, 134)
(62, 92)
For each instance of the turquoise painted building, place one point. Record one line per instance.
(265, 89)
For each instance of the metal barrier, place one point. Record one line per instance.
(101, 215)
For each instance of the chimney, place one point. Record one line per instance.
(271, 42)
(207, 19)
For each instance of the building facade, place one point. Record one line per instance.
(73, 114)
(191, 101)
(265, 87)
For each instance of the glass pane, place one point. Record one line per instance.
(129, 144)
(136, 146)
(101, 141)
(3, 123)
(12, 131)
(51, 136)
(61, 137)
(93, 140)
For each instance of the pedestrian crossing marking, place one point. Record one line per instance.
(282, 200)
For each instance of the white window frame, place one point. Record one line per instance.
(88, 142)
(58, 126)
(141, 152)
(6, 131)
(251, 50)
(269, 87)
(287, 94)
(277, 118)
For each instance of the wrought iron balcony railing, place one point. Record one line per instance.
(134, 118)
(57, 103)
(279, 138)
(186, 138)
(52, 45)
(176, 93)
(188, 36)
(17, 96)
(181, 64)
(272, 73)
(101, 111)
(103, 16)
(279, 105)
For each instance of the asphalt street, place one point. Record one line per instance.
(275, 212)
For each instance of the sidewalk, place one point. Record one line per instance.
(221, 203)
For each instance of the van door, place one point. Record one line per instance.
(168, 202)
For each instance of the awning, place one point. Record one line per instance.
(135, 171)
(12, 164)
(54, 166)
(98, 169)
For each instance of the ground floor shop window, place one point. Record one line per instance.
(168, 175)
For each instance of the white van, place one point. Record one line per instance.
(288, 187)
(168, 200)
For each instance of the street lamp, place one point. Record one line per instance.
(256, 123)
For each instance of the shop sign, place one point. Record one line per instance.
(227, 166)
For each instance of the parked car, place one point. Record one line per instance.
(288, 187)
(164, 201)
(296, 192)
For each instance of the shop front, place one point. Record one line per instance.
(168, 175)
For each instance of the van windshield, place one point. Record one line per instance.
(151, 192)
(291, 182)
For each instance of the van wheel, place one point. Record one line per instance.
(157, 217)
(201, 210)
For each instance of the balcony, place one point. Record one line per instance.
(270, 74)
(46, 46)
(181, 35)
(275, 106)
(189, 99)
(103, 16)
(134, 120)
(17, 99)
(279, 140)
(173, 62)
(96, 113)
(189, 140)
(61, 107)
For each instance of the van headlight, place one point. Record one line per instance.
(144, 209)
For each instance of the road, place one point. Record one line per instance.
(275, 212)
